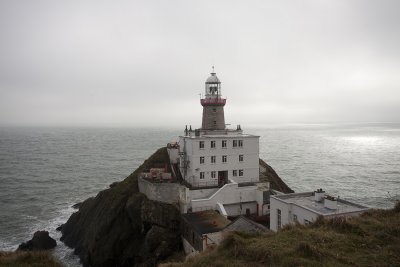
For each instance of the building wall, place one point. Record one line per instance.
(249, 165)
(212, 239)
(190, 251)
(275, 205)
(202, 193)
(240, 209)
(191, 236)
(228, 194)
(304, 216)
(170, 193)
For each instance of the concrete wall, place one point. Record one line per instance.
(190, 251)
(236, 210)
(275, 205)
(228, 194)
(173, 154)
(304, 216)
(170, 193)
(202, 193)
(212, 239)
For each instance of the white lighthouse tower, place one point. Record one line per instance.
(213, 156)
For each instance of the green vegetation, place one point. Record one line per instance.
(372, 239)
(25, 259)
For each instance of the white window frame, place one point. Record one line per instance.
(224, 143)
(224, 159)
(234, 173)
(201, 144)
(241, 158)
(213, 159)
(202, 175)
(240, 143)
(213, 144)
(234, 143)
(241, 171)
(213, 174)
(201, 160)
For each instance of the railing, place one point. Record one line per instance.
(204, 208)
(204, 184)
(213, 101)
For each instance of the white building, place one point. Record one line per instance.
(305, 208)
(220, 166)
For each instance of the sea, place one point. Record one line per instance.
(45, 171)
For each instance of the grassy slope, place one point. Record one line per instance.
(370, 240)
(25, 259)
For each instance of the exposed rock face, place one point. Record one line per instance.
(40, 241)
(276, 183)
(121, 227)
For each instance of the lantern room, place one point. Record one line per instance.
(213, 86)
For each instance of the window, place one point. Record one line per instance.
(213, 174)
(214, 110)
(295, 218)
(240, 158)
(240, 172)
(212, 144)
(224, 159)
(201, 144)
(234, 173)
(279, 222)
(223, 143)
(307, 222)
(215, 122)
(201, 175)
(240, 143)
(213, 159)
(235, 143)
(201, 160)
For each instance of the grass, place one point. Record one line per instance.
(372, 239)
(25, 259)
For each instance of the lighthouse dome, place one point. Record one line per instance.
(213, 78)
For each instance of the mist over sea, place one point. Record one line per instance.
(44, 171)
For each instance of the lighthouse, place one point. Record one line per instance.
(213, 104)
(213, 156)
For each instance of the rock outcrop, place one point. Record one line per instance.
(121, 227)
(267, 173)
(40, 241)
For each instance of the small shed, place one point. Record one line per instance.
(202, 229)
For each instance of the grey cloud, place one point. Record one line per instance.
(133, 63)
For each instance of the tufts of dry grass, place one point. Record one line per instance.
(372, 239)
(28, 259)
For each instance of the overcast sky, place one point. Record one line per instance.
(144, 63)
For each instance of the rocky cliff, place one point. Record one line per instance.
(121, 227)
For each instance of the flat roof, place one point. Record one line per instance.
(220, 136)
(204, 222)
(306, 200)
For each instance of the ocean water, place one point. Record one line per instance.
(44, 171)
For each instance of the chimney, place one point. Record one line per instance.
(330, 202)
(319, 195)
